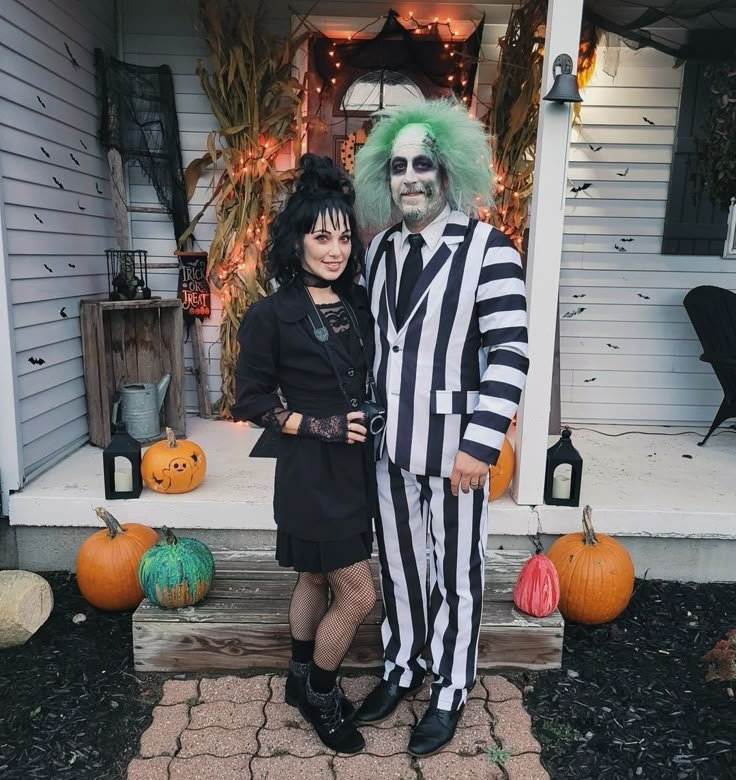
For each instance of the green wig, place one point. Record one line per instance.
(460, 143)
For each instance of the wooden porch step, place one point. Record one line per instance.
(244, 622)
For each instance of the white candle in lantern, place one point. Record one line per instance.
(561, 486)
(123, 481)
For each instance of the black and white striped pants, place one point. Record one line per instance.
(447, 611)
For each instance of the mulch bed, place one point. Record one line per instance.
(631, 700)
(70, 703)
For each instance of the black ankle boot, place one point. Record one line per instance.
(324, 712)
(295, 685)
(295, 682)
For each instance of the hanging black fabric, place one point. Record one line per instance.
(450, 64)
(684, 29)
(194, 289)
(138, 118)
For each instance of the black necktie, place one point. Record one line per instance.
(409, 275)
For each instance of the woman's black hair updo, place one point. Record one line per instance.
(322, 190)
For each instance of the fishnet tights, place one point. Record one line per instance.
(333, 629)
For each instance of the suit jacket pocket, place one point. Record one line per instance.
(453, 401)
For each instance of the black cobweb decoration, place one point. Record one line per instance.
(138, 118)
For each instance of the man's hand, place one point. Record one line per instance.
(468, 473)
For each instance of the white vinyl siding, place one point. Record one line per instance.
(58, 214)
(628, 353)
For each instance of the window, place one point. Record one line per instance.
(379, 89)
(693, 224)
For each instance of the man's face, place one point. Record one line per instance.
(417, 187)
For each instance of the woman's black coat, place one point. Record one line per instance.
(323, 491)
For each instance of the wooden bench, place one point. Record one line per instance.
(244, 622)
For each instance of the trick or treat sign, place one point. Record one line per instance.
(194, 289)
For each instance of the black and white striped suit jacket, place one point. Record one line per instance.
(451, 377)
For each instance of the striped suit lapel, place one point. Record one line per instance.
(391, 281)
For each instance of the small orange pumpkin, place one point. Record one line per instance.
(502, 472)
(596, 575)
(107, 563)
(172, 466)
(537, 588)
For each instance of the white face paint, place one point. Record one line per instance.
(416, 184)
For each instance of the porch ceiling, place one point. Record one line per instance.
(638, 485)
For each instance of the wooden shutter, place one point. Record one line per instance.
(693, 224)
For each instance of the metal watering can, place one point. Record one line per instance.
(140, 407)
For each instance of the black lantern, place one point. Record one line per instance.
(121, 479)
(562, 489)
(127, 274)
(565, 87)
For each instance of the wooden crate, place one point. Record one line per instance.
(244, 622)
(124, 342)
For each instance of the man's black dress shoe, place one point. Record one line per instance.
(435, 730)
(384, 699)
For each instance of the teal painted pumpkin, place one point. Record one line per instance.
(176, 572)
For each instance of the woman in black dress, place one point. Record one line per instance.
(301, 371)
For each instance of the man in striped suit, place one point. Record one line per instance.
(447, 294)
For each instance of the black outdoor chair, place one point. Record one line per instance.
(712, 311)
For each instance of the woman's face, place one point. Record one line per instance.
(327, 248)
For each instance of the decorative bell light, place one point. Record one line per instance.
(565, 87)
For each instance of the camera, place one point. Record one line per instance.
(375, 417)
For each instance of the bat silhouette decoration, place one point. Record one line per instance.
(62, 312)
(584, 186)
(648, 121)
(595, 148)
(58, 183)
(71, 56)
(36, 361)
(574, 313)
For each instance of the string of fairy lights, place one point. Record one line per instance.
(463, 61)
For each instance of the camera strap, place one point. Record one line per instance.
(322, 334)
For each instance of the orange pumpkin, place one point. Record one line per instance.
(596, 575)
(172, 466)
(107, 563)
(537, 588)
(501, 474)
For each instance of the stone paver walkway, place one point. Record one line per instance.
(239, 728)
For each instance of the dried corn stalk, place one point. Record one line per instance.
(257, 103)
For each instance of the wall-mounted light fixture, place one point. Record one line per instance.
(565, 87)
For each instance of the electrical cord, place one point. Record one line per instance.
(730, 429)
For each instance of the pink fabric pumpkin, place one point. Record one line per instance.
(537, 589)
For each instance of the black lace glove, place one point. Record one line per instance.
(274, 419)
(329, 429)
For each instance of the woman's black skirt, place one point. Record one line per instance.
(322, 557)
